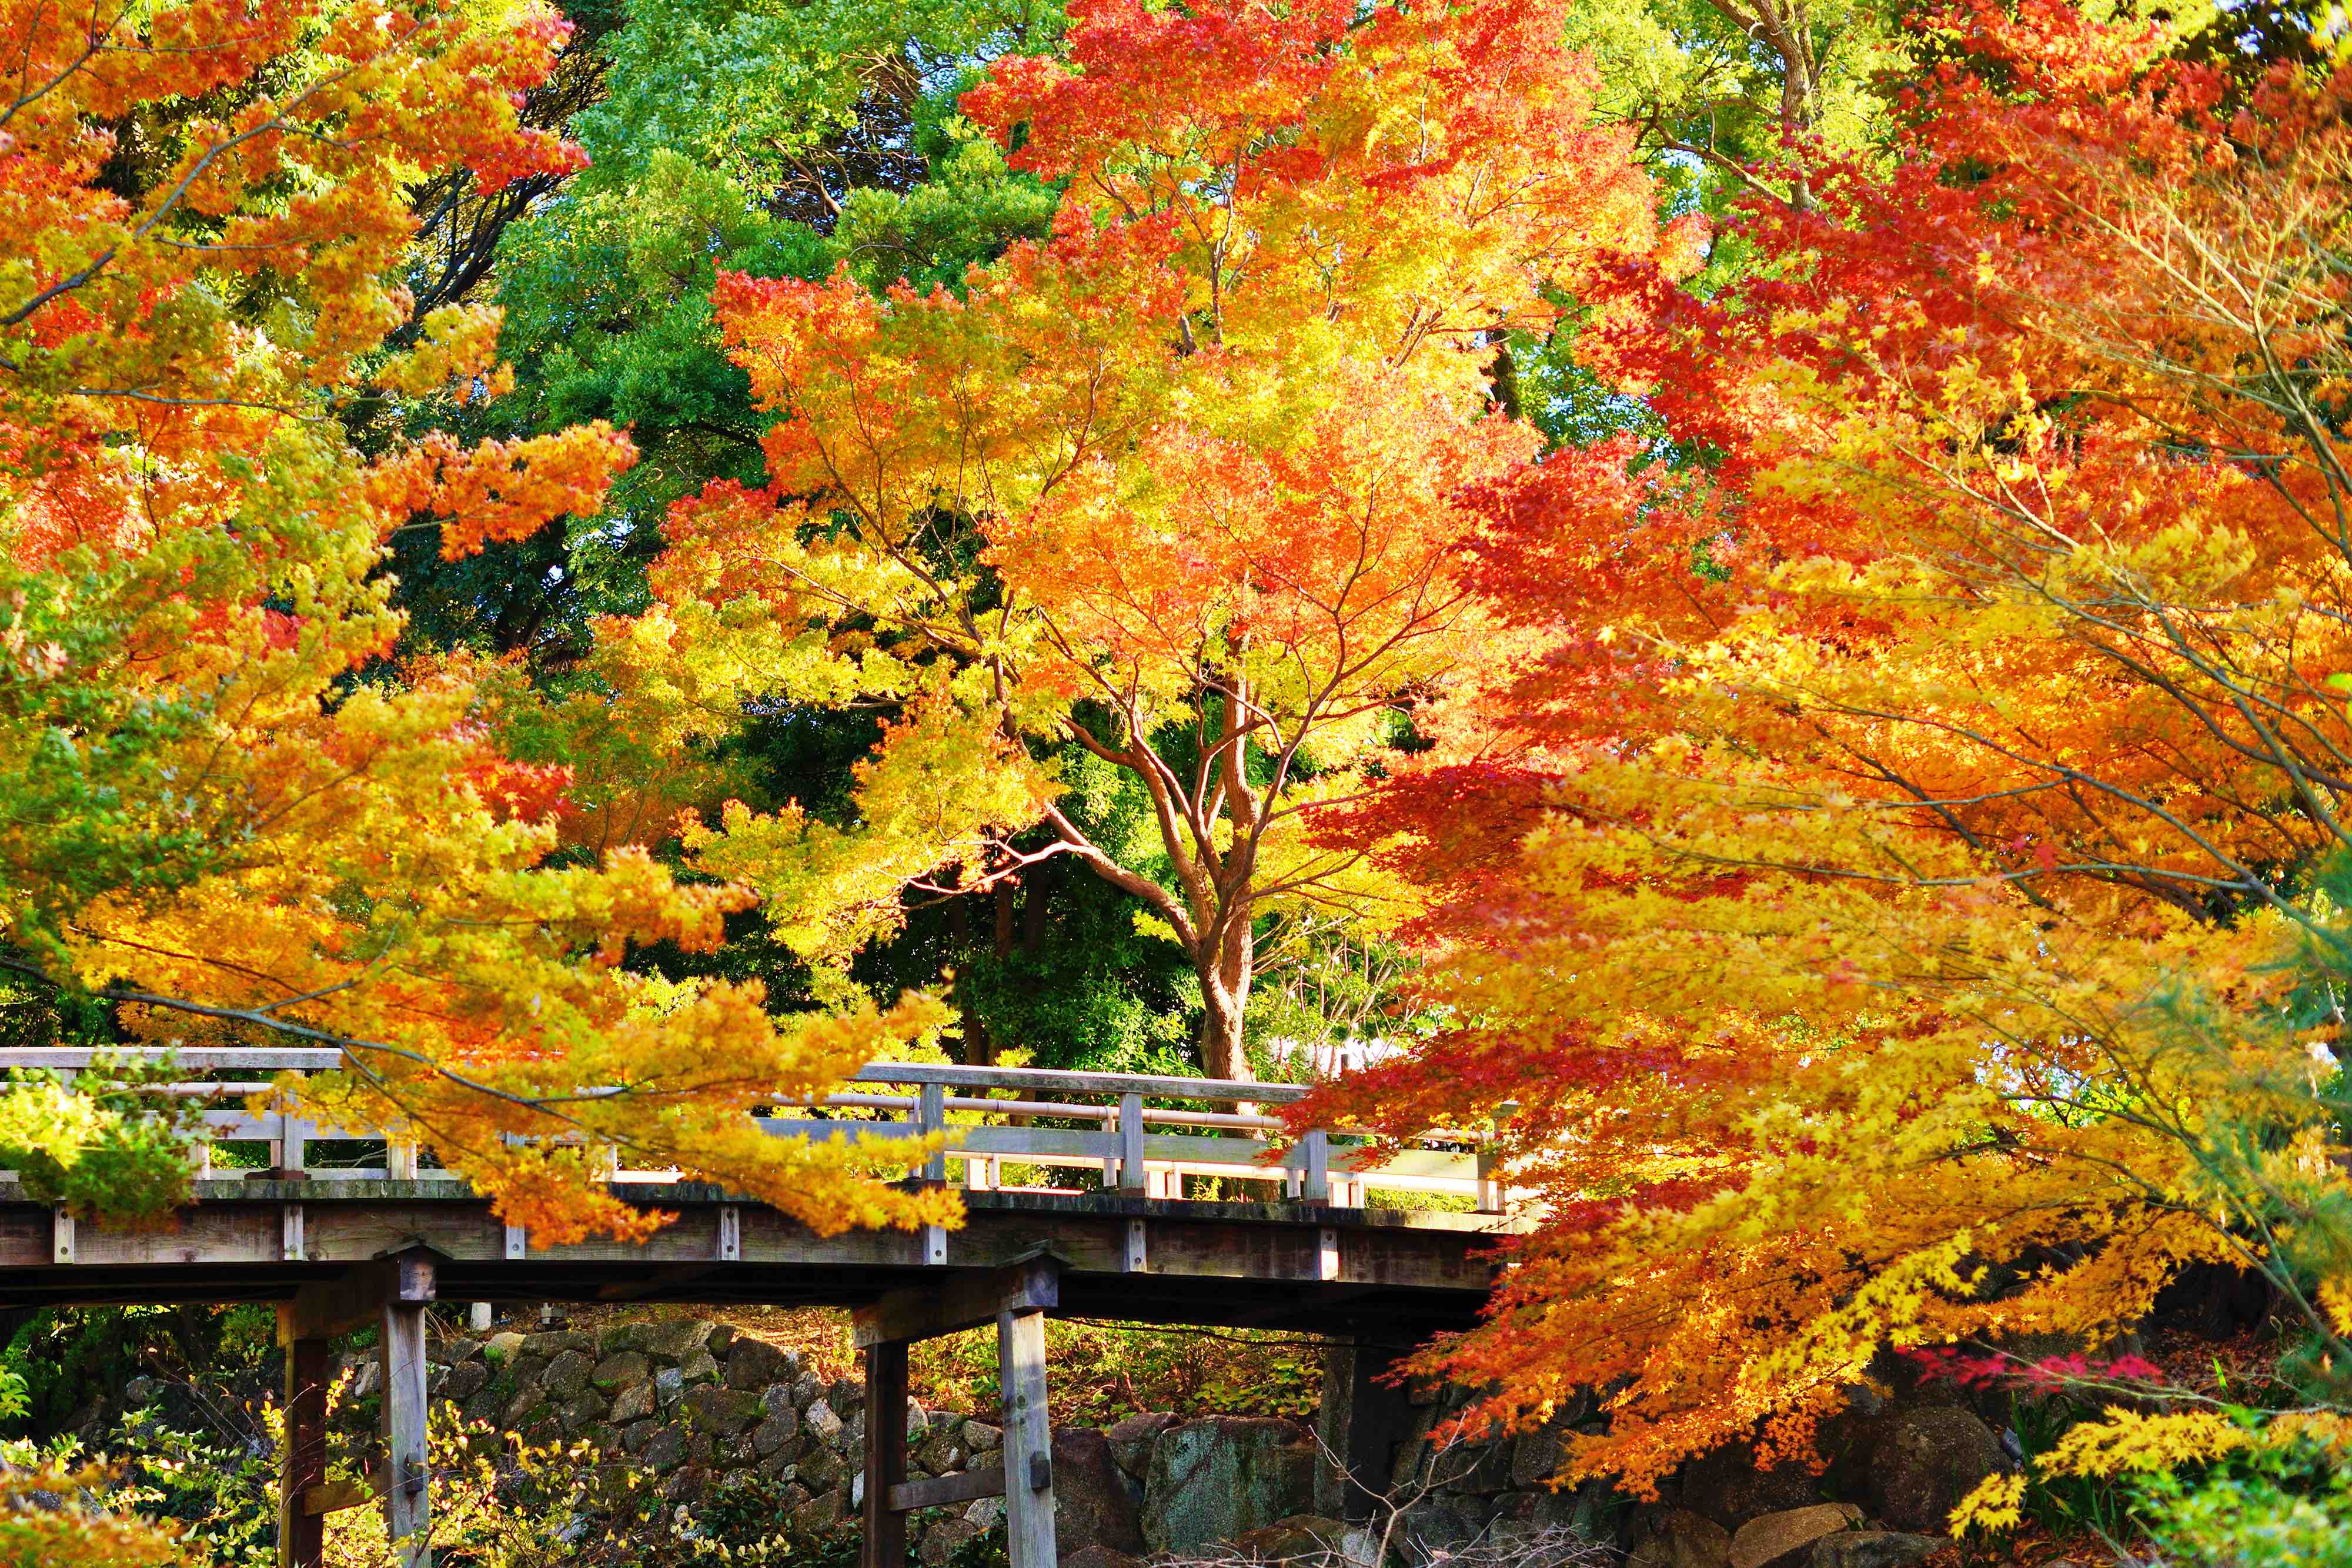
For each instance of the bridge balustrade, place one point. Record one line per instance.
(1003, 1127)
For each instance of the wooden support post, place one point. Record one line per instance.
(1130, 1143)
(1358, 1426)
(407, 1497)
(302, 1463)
(1028, 1438)
(886, 1453)
(1490, 1182)
(979, 1173)
(1316, 1149)
(930, 1118)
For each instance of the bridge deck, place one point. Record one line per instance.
(1139, 1258)
(339, 1226)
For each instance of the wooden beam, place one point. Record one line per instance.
(302, 1461)
(333, 1497)
(1028, 1439)
(960, 1302)
(886, 1454)
(964, 1486)
(353, 1299)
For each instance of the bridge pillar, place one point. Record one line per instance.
(394, 1293)
(1358, 1425)
(302, 1465)
(1017, 1297)
(886, 1453)
(1028, 1437)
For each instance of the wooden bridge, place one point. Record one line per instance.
(1079, 1196)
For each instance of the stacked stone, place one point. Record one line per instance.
(689, 1403)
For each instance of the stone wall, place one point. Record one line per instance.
(689, 1406)
(692, 1405)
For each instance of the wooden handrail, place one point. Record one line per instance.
(1315, 1168)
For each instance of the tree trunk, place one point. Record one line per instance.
(1225, 971)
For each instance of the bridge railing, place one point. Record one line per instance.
(1141, 1133)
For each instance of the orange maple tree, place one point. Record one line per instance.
(226, 814)
(1174, 497)
(1895, 900)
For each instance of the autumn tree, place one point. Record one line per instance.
(228, 815)
(1897, 900)
(1180, 487)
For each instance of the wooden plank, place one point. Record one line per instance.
(1040, 1143)
(207, 1233)
(333, 1497)
(964, 1486)
(960, 1302)
(884, 1544)
(1028, 1439)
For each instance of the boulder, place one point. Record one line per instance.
(1922, 1462)
(554, 1342)
(807, 1389)
(669, 1386)
(1482, 1465)
(466, 1379)
(503, 1348)
(700, 1368)
(633, 1404)
(940, 1541)
(1677, 1538)
(1211, 1480)
(1097, 1557)
(1094, 1502)
(1785, 1538)
(1132, 1441)
(1301, 1536)
(664, 1451)
(822, 1424)
(1439, 1526)
(566, 1374)
(1538, 1457)
(1875, 1549)
(671, 1340)
(623, 1369)
(943, 1452)
(820, 1514)
(710, 1408)
(778, 1429)
(752, 1364)
(983, 1438)
(820, 1470)
(1726, 1487)
(1522, 1520)
(581, 1411)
